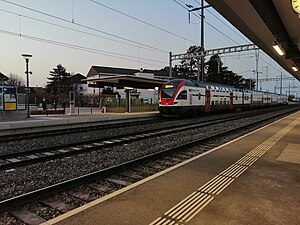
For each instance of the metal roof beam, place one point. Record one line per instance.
(232, 49)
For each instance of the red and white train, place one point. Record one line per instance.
(180, 96)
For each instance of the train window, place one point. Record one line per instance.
(190, 83)
(212, 102)
(182, 95)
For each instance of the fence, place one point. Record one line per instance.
(136, 105)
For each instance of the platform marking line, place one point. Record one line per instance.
(196, 202)
(226, 182)
(186, 202)
(188, 208)
(246, 160)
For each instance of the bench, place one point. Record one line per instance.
(47, 112)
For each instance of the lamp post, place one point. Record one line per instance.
(27, 57)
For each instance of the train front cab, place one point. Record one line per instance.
(183, 97)
(167, 96)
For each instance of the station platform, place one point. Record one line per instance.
(254, 179)
(38, 123)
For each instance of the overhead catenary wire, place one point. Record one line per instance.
(228, 26)
(76, 30)
(142, 21)
(82, 25)
(82, 48)
(209, 11)
(209, 24)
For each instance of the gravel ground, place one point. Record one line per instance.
(25, 179)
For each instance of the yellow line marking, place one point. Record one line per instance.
(185, 207)
(249, 160)
(240, 172)
(244, 160)
(225, 184)
(185, 201)
(229, 169)
(237, 169)
(221, 181)
(209, 184)
(190, 207)
(198, 206)
(158, 219)
(193, 215)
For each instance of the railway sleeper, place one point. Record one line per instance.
(57, 204)
(118, 181)
(26, 216)
(131, 174)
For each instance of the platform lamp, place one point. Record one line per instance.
(27, 57)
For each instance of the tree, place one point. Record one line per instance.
(59, 84)
(189, 67)
(15, 80)
(220, 74)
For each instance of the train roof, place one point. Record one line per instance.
(216, 86)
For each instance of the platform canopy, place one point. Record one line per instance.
(123, 81)
(265, 22)
(100, 76)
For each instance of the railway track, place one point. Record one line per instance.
(18, 159)
(96, 126)
(86, 188)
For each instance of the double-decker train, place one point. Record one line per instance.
(184, 97)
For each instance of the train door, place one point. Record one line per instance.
(243, 99)
(207, 100)
(231, 100)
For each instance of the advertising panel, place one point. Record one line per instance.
(10, 98)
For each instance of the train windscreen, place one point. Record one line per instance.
(168, 90)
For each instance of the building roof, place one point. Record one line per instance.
(78, 79)
(3, 77)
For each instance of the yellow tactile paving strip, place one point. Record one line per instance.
(188, 208)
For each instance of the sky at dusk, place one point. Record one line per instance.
(129, 34)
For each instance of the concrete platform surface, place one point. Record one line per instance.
(251, 180)
(38, 123)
